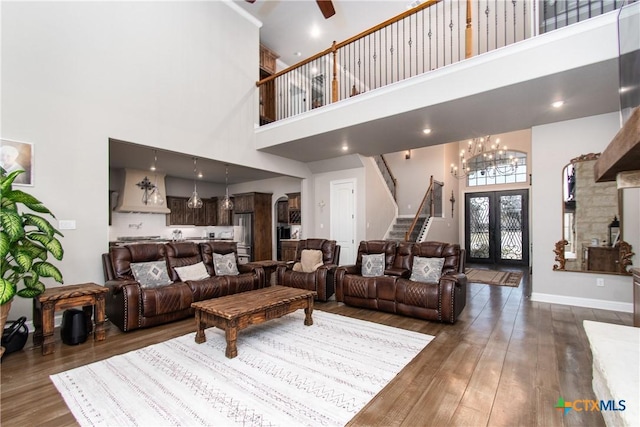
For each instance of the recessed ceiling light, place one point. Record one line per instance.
(199, 174)
(557, 104)
(315, 32)
(426, 131)
(345, 147)
(297, 53)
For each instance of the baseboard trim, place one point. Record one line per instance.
(625, 307)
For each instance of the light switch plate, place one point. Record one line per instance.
(67, 224)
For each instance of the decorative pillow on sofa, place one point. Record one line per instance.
(225, 265)
(151, 274)
(310, 260)
(192, 272)
(373, 265)
(426, 270)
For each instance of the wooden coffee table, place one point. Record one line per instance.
(235, 312)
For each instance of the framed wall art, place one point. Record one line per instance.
(16, 155)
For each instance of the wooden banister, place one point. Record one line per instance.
(427, 195)
(335, 46)
(393, 178)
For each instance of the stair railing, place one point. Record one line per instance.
(389, 179)
(430, 206)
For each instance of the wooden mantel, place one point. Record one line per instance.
(623, 152)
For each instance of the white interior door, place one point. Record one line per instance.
(343, 219)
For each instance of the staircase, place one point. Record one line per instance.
(400, 228)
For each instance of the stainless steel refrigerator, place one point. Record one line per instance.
(243, 234)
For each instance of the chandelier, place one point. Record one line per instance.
(227, 203)
(156, 198)
(486, 158)
(194, 202)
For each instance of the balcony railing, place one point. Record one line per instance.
(432, 35)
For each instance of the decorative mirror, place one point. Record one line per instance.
(591, 222)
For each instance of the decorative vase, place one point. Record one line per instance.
(4, 313)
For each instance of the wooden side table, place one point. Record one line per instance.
(89, 296)
(269, 267)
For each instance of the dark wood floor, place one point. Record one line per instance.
(504, 363)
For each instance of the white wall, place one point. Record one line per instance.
(413, 175)
(553, 146)
(161, 74)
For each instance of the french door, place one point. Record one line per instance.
(497, 227)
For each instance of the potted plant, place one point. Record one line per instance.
(26, 240)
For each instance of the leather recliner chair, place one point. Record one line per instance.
(322, 280)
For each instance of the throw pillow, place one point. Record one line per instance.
(373, 265)
(426, 270)
(310, 260)
(225, 265)
(192, 272)
(151, 274)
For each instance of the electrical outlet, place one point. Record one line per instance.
(67, 224)
(600, 282)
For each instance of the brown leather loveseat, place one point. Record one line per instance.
(322, 278)
(131, 304)
(434, 290)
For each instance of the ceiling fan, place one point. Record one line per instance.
(326, 7)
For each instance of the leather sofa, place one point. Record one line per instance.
(395, 292)
(131, 306)
(322, 280)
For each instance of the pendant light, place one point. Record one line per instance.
(156, 198)
(194, 202)
(227, 203)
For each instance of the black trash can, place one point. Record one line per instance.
(74, 327)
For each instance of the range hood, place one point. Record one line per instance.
(131, 194)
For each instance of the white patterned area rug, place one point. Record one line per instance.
(285, 374)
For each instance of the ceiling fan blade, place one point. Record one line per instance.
(326, 7)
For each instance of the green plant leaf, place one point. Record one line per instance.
(51, 244)
(6, 181)
(46, 269)
(36, 250)
(4, 244)
(24, 259)
(11, 224)
(31, 292)
(40, 223)
(18, 196)
(7, 291)
(32, 281)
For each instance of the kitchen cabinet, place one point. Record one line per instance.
(225, 216)
(181, 214)
(283, 211)
(243, 203)
(289, 248)
(293, 205)
(259, 206)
